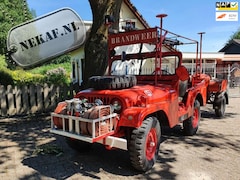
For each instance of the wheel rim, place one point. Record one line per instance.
(151, 144)
(195, 117)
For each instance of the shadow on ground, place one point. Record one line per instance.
(31, 132)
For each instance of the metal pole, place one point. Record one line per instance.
(159, 48)
(229, 74)
(200, 57)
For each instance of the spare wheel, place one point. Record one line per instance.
(112, 82)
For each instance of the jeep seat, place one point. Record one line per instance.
(183, 75)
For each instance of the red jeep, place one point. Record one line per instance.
(142, 92)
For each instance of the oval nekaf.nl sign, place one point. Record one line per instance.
(46, 37)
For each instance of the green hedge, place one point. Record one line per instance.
(51, 74)
(6, 77)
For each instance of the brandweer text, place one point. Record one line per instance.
(138, 37)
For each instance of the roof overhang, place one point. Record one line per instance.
(205, 55)
(231, 57)
(137, 14)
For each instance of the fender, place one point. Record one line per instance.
(134, 116)
(199, 91)
(191, 96)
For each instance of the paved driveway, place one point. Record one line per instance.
(29, 151)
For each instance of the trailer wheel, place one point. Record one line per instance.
(144, 144)
(112, 82)
(220, 106)
(80, 146)
(190, 126)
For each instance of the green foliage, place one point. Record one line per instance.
(5, 74)
(15, 13)
(61, 59)
(22, 77)
(11, 14)
(6, 78)
(51, 73)
(3, 63)
(58, 76)
(45, 68)
(235, 35)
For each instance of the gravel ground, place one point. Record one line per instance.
(213, 154)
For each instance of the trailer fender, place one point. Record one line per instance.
(219, 97)
(226, 97)
(219, 104)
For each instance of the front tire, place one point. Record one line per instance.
(190, 126)
(144, 144)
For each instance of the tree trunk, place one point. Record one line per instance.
(96, 45)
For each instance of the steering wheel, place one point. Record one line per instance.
(164, 72)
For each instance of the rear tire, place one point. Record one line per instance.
(190, 126)
(144, 144)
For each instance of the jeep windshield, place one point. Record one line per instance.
(144, 63)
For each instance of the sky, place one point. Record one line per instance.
(185, 17)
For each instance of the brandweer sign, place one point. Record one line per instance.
(46, 37)
(144, 36)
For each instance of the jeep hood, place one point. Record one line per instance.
(152, 93)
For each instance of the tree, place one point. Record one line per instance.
(12, 13)
(96, 45)
(235, 35)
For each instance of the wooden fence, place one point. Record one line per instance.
(31, 99)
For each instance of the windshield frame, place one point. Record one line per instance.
(141, 57)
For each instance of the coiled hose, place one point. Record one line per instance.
(100, 127)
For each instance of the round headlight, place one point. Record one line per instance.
(117, 105)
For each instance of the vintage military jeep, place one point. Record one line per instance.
(142, 92)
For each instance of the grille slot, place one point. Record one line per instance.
(105, 100)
